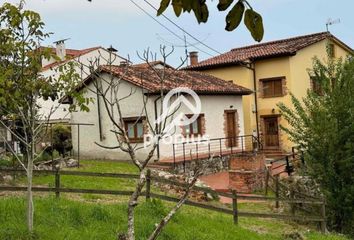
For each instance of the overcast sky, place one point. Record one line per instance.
(127, 28)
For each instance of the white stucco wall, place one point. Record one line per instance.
(131, 107)
(213, 107)
(62, 111)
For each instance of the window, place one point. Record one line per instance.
(316, 86)
(331, 50)
(272, 87)
(195, 128)
(135, 129)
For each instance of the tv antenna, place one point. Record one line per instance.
(61, 41)
(331, 22)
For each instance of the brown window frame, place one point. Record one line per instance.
(316, 87)
(199, 122)
(331, 50)
(272, 81)
(135, 121)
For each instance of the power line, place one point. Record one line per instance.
(172, 32)
(178, 45)
(175, 24)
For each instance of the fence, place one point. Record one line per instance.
(294, 205)
(205, 148)
(234, 211)
(288, 163)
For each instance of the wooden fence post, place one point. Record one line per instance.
(57, 183)
(277, 191)
(292, 204)
(148, 184)
(266, 183)
(234, 206)
(14, 167)
(323, 214)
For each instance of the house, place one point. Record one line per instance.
(220, 115)
(272, 70)
(85, 57)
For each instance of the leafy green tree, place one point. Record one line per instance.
(322, 124)
(237, 11)
(22, 85)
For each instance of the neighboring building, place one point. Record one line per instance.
(85, 57)
(272, 70)
(221, 109)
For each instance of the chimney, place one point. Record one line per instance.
(193, 56)
(123, 63)
(60, 49)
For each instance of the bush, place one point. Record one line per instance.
(62, 139)
(7, 160)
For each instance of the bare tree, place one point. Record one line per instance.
(107, 91)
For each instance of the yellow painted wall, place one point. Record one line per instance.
(243, 77)
(294, 68)
(275, 67)
(302, 62)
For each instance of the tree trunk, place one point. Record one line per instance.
(133, 202)
(173, 211)
(30, 159)
(30, 209)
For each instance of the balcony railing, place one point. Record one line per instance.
(206, 148)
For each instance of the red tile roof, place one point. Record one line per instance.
(147, 78)
(70, 54)
(284, 47)
(153, 64)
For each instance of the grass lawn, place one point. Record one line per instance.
(68, 219)
(90, 216)
(85, 182)
(105, 183)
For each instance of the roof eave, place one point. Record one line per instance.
(210, 93)
(237, 63)
(342, 44)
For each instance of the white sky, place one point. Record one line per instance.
(120, 23)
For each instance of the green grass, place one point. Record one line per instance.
(84, 182)
(92, 216)
(67, 219)
(91, 182)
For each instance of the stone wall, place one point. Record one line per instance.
(246, 171)
(218, 164)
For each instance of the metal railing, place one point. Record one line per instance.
(289, 162)
(205, 148)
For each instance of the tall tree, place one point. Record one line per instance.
(22, 85)
(322, 124)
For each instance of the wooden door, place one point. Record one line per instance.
(231, 129)
(271, 135)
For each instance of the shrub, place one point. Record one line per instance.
(62, 139)
(323, 126)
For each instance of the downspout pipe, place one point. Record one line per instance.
(99, 116)
(252, 66)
